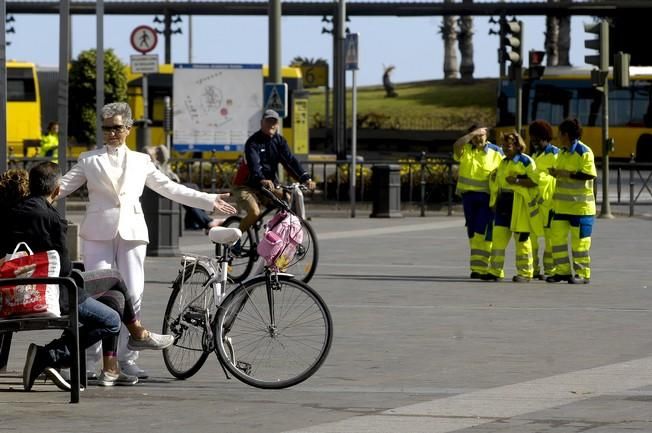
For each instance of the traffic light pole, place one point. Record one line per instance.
(605, 209)
(518, 80)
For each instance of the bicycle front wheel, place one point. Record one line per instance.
(243, 258)
(190, 307)
(273, 353)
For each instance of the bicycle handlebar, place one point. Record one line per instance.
(277, 201)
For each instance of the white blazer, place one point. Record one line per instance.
(109, 212)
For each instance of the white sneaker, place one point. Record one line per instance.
(131, 369)
(110, 379)
(153, 341)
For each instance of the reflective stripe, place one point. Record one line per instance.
(479, 183)
(497, 253)
(479, 263)
(534, 213)
(559, 248)
(560, 261)
(533, 202)
(496, 265)
(573, 198)
(476, 252)
(580, 253)
(571, 185)
(579, 266)
(523, 257)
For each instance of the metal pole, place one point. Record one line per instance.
(518, 71)
(605, 210)
(354, 142)
(145, 125)
(3, 88)
(62, 99)
(99, 75)
(189, 38)
(340, 95)
(275, 69)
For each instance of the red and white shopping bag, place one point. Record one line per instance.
(30, 299)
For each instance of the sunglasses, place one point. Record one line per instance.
(115, 128)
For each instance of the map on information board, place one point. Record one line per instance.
(216, 106)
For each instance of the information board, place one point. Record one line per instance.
(216, 106)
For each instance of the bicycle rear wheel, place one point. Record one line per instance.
(277, 354)
(304, 263)
(186, 319)
(243, 259)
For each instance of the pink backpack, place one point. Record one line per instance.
(279, 244)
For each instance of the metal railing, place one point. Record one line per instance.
(425, 179)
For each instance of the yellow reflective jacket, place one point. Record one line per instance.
(575, 196)
(475, 167)
(526, 215)
(544, 160)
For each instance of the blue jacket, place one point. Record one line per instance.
(265, 153)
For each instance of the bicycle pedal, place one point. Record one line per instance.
(244, 367)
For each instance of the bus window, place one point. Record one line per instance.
(20, 85)
(550, 102)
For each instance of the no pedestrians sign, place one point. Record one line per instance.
(143, 39)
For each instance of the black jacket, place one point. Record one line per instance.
(265, 153)
(37, 222)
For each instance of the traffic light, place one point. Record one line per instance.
(621, 69)
(513, 37)
(535, 64)
(601, 44)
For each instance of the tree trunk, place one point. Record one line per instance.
(552, 40)
(450, 54)
(465, 41)
(564, 40)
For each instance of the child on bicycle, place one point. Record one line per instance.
(264, 151)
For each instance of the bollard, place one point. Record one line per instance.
(386, 191)
(423, 184)
(72, 241)
(162, 217)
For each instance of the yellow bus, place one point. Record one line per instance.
(23, 109)
(567, 91)
(295, 125)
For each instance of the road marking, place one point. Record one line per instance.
(390, 230)
(495, 404)
(347, 234)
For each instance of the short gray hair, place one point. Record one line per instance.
(118, 109)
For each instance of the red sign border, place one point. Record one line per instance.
(131, 39)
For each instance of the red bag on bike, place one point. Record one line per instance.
(242, 172)
(279, 244)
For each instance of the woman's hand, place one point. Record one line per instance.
(219, 205)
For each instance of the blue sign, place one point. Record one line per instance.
(275, 97)
(351, 57)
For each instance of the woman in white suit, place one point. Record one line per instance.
(113, 232)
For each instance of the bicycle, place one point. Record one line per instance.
(305, 261)
(270, 331)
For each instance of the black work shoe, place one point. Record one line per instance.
(520, 279)
(538, 277)
(34, 365)
(579, 280)
(490, 277)
(559, 278)
(476, 275)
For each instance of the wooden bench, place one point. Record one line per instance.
(70, 322)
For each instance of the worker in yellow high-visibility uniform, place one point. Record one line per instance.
(544, 154)
(515, 198)
(477, 158)
(573, 206)
(50, 141)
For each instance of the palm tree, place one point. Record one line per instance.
(447, 31)
(299, 61)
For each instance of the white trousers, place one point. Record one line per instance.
(128, 257)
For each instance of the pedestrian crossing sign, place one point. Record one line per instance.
(276, 98)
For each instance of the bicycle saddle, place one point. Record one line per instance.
(224, 235)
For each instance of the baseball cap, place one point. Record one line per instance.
(271, 114)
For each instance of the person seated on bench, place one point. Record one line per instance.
(33, 220)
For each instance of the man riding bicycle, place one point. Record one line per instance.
(264, 151)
